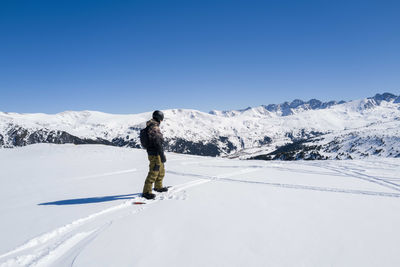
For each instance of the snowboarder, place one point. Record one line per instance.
(155, 152)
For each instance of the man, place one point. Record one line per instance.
(155, 152)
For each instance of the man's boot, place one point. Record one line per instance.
(148, 195)
(162, 189)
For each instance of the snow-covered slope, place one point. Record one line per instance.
(74, 206)
(263, 130)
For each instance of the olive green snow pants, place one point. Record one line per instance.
(156, 174)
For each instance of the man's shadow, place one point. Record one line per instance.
(78, 201)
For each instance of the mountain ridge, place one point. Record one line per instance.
(284, 107)
(247, 134)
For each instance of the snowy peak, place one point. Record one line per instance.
(290, 108)
(237, 133)
(388, 97)
(283, 109)
(298, 105)
(375, 101)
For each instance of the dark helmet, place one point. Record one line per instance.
(158, 115)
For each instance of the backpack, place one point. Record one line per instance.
(144, 137)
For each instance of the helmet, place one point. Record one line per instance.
(158, 115)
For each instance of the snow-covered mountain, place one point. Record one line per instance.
(296, 130)
(284, 109)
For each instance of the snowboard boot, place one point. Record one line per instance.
(148, 195)
(162, 189)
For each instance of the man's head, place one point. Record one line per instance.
(158, 116)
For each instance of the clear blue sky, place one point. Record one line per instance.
(136, 56)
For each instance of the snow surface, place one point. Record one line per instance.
(68, 205)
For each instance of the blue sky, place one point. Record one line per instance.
(136, 56)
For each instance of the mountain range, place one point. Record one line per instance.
(313, 129)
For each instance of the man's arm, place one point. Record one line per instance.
(163, 158)
(160, 149)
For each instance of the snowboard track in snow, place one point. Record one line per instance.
(68, 241)
(294, 186)
(64, 244)
(365, 177)
(105, 174)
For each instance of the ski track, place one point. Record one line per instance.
(46, 255)
(64, 244)
(104, 174)
(380, 181)
(47, 248)
(292, 186)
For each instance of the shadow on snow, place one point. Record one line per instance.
(78, 201)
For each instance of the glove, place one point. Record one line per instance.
(163, 158)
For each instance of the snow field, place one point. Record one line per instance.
(67, 205)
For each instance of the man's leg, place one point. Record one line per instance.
(159, 180)
(154, 170)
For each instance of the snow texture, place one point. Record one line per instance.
(68, 205)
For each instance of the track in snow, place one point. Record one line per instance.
(224, 178)
(61, 246)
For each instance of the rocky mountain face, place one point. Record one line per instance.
(286, 108)
(289, 131)
(380, 137)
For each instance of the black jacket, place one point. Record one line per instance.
(156, 139)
